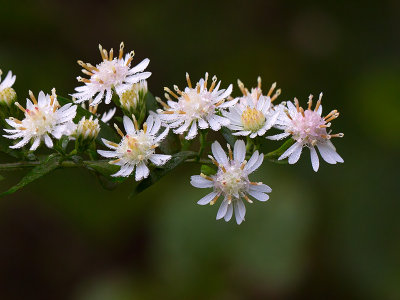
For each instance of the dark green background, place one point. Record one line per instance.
(334, 234)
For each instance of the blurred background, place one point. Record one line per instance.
(334, 234)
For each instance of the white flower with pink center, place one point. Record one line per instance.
(232, 181)
(112, 74)
(196, 107)
(309, 129)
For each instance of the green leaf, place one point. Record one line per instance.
(171, 144)
(106, 131)
(274, 155)
(151, 103)
(49, 164)
(158, 173)
(208, 170)
(103, 167)
(227, 134)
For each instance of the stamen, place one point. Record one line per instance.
(247, 198)
(15, 120)
(168, 112)
(318, 102)
(338, 135)
(212, 202)
(241, 87)
(20, 107)
(297, 104)
(85, 80)
(154, 146)
(176, 88)
(110, 58)
(230, 151)
(256, 183)
(188, 80)
(243, 164)
(287, 113)
(310, 101)
(171, 92)
(135, 122)
(102, 52)
(272, 88)
(32, 96)
(114, 161)
(198, 88)
(302, 112)
(259, 82)
(205, 80)
(132, 54)
(112, 144)
(213, 161)
(105, 54)
(121, 50)
(118, 130)
(167, 96)
(206, 177)
(332, 117)
(214, 81)
(84, 71)
(144, 127)
(165, 105)
(276, 95)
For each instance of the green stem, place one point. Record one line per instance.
(203, 140)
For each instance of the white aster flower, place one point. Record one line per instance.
(43, 117)
(196, 107)
(7, 93)
(254, 113)
(112, 73)
(137, 147)
(231, 181)
(308, 129)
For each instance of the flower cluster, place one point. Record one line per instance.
(188, 112)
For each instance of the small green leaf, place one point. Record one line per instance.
(151, 103)
(106, 131)
(274, 155)
(227, 134)
(171, 144)
(158, 173)
(49, 164)
(208, 170)
(103, 167)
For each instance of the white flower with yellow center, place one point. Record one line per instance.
(88, 128)
(43, 117)
(254, 113)
(7, 93)
(137, 147)
(196, 107)
(111, 74)
(131, 98)
(309, 129)
(232, 181)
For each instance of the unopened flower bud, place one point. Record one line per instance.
(8, 96)
(88, 128)
(132, 100)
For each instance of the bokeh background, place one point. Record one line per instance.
(334, 234)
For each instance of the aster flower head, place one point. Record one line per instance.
(196, 107)
(309, 129)
(87, 129)
(231, 181)
(7, 93)
(113, 73)
(133, 97)
(43, 118)
(137, 147)
(254, 113)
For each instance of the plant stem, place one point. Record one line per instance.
(203, 140)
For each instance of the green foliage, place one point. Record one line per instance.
(274, 155)
(45, 167)
(228, 136)
(208, 169)
(158, 173)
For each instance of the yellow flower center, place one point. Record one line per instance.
(8, 95)
(253, 119)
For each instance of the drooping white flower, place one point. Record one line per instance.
(309, 129)
(43, 117)
(196, 107)
(137, 147)
(254, 113)
(87, 129)
(7, 93)
(111, 74)
(134, 96)
(231, 181)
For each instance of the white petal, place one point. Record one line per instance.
(242, 208)
(239, 151)
(159, 159)
(289, 151)
(128, 124)
(294, 157)
(229, 212)
(219, 153)
(263, 188)
(314, 159)
(142, 171)
(107, 154)
(200, 182)
(192, 132)
(48, 141)
(222, 209)
(162, 135)
(35, 144)
(207, 198)
(278, 136)
(239, 219)
(326, 153)
(258, 195)
(256, 164)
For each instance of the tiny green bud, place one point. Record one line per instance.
(8, 96)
